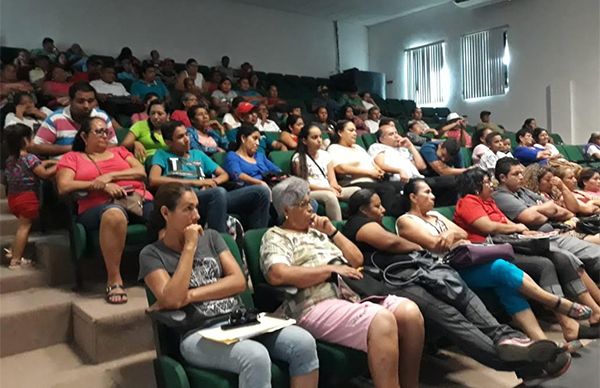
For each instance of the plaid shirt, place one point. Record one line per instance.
(311, 249)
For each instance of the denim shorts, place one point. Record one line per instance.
(90, 219)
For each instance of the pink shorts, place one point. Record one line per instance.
(345, 323)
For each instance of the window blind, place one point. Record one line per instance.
(424, 73)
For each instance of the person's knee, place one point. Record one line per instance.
(383, 328)
(302, 343)
(408, 313)
(501, 269)
(113, 217)
(252, 355)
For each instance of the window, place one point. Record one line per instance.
(425, 74)
(485, 59)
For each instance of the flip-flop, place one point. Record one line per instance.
(576, 311)
(110, 295)
(21, 263)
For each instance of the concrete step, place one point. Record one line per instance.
(34, 318)
(60, 366)
(8, 225)
(21, 279)
(105, 332)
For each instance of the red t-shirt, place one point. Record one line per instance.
(181, 115)
(470, 208)
(85, 170)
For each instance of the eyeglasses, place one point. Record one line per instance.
(304, 204)
(100, 131)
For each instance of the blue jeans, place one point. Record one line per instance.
(90, 219)
(251, 358)
(251, 203)
(504, 277)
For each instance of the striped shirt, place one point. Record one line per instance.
(59, 128)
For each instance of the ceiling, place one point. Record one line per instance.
(365, 12)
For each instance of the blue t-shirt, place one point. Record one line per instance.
(429, 154)
(196, 166)
(236, 165)
(140, 88)
(528, 155)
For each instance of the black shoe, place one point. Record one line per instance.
(524, 349)
(551, 370)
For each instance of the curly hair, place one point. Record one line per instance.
(532, 176)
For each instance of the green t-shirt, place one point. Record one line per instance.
(141, 130)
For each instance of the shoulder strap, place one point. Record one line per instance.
(316, 164)
(94, 163)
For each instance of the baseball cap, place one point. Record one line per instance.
(243, 108)
(453, 116)
(322, 89)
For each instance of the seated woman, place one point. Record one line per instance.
(289, 134)
(106, 174)
(57, 86)
(144, 137)
(355, 167)
(439, 235)
(479, 144)
(589, 183)
(24, 111)
(193, 167)
(543, 142)
(222, 98)
(205, 134)
(274, 103)
(526, 152)
(348, 114)
(477, 213)
(188, 100)
(314, 165)
(245, 164)
(567, 175)
(495, 146)
(189, 265)
(542, 181)
(592, 149)
(478, 335)
(141, 116)
(300, 253)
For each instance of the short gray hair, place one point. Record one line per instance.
(289, 192)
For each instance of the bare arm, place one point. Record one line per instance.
(417, 158)
(380, 162)
(66, 183)
(49, 149)
(376, 236)
(297, 276)
(45, 170)
(443, 169)
(485, 226)
(129, 140)
(351, 169)
(287, 140)
(532, 216)
(156, 179)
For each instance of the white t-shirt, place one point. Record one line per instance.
(355, 155)
(199, 81)
(116, 88)
(400, 158)
(478, 152)
(267, 126)
(231, 121)
(315, 176)
(488, 160)
(372, 125)
(592, 150)
(550, 147)
(31, 122)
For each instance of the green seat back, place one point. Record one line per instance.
(271, 136)
(283, 160)
(219, 158)
(389, 223)
(446, 211)
(557, 139)
(369, 139)
(562, 151)
(360, 142)
(574, 153)
(466, 155)
(121, 134)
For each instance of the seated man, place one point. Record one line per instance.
(55, 136)
(353, 99)
(592, 148)
(373, 121)
(248, 94)
(523, 206)
(323, 99)
(149, 84)
(456, 128)
(48, 49)
(193, 167)
(416, 115)
(113, 96)
(10, 84)
(415, 132)
(487, 123)
(442, 158)
(526, 152)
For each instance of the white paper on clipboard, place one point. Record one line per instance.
(268, 324)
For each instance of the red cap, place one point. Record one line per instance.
(243, 108)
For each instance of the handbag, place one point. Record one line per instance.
(468, 255)
(133, 202)
(588, 225)
(369, 285)
(522, 244)
(273, 178)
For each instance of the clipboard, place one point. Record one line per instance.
(268, 324)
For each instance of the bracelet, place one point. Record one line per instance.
(332, 235)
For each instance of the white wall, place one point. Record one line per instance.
(554, 73)
(205, 29)
(353, 43)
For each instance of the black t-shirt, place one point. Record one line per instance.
(352, 227)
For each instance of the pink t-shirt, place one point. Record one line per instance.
(456, 134)
(138, 117)
(85, 170)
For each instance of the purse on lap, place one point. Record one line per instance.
(468, 255)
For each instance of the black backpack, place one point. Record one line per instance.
(589, 225)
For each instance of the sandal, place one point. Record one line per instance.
(110, 295)
(21, 263)
(8, 253)
(576, 311)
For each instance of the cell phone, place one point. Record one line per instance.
(128, 189)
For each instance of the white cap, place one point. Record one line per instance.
(453, 116)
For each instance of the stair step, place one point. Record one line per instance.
(4, 206)
(105, 332)
(21, 279)
(8, 225)
(60, 366)
(33, 319)
(54, 255)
